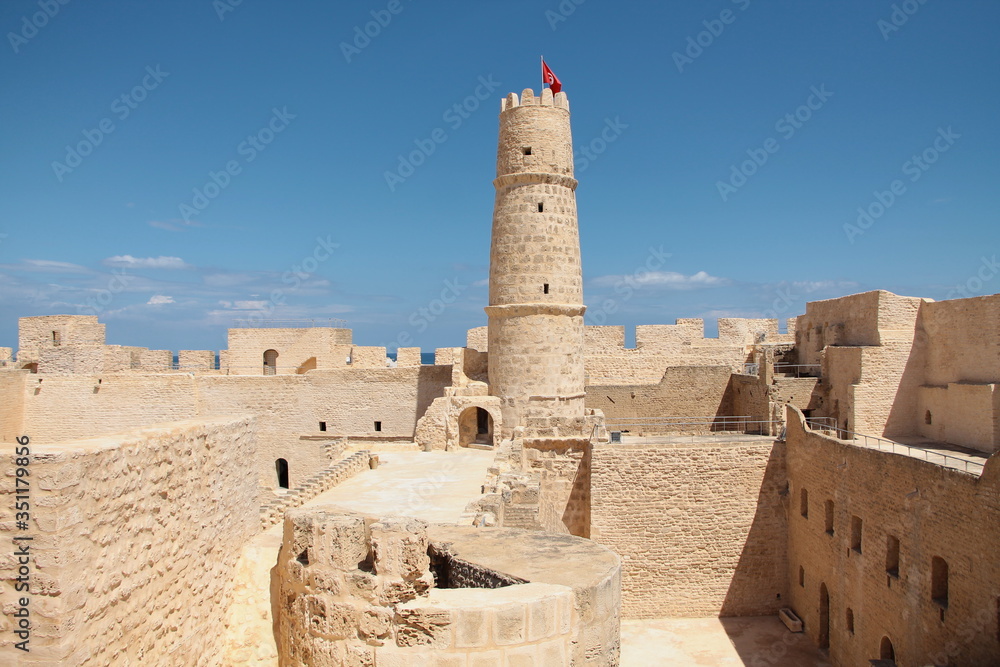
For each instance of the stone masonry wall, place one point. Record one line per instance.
(843, 496)
(135, 540)
(11, 404)
(349, 401)
(700, 527)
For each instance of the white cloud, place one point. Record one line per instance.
(145, 262)
(670, 280)
(159, 300)
(818, 285)
(50, 266)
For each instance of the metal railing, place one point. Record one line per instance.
(821, 424)
(798, 370)
(694, 426)
(750, 369)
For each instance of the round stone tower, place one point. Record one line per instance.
(536, 292)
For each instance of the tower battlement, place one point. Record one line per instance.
(528, 98)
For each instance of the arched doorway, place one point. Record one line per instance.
(475, 427)
(886, 652)
(824, 617)
(270, 362)
(281, 468)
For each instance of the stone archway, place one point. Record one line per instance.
(475, 427)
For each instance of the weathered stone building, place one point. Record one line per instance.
(844, 473)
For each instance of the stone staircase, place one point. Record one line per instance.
(324, 480)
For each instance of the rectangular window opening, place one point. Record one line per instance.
(541, 207)
(850, 620)
(378, 426)
(56, 338)
(802, 576)
(892, 556)
(939, 582)
(856, 526)
(527, 150)
(804, 503)
(545, 288)
(829, 517)
(322, 426)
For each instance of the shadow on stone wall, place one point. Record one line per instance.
(759, 585)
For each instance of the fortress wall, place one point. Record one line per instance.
(700, 528)
(35, 333)
(195, 361)
(349, 400)
(11, 404)
(295, 347)
(156, 361)
(683, 391)
(136, 537)
(963, 338)
(932, 511)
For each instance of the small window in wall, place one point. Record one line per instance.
(802, 576)
(281, 468)
(541, 207)
(804, 503)
(322, 426)
(850, 620)
(856, 526)
(527, 150)
(939, 581)
(927, 418)
(829, 517)
(56, 338)
(892, 556)
(545, 288)
(378, 426)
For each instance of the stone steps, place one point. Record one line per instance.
(324, 480)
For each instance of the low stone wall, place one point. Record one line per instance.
(135, 539)
(357, 590)
(700, 526)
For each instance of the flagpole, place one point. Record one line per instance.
(543, 71)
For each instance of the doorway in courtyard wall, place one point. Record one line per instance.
(270, 362)
(475, 427)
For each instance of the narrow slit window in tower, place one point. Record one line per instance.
(545, 288)
(322, 426)
(829, 517)
(892, 556)
(527, 150)
(541, 207)
(804, 503)
(856, 526)
(939, 581)
(56, 338)
(378, 426)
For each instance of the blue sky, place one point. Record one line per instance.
(174, 167)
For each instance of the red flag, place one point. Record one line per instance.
(550, 78)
